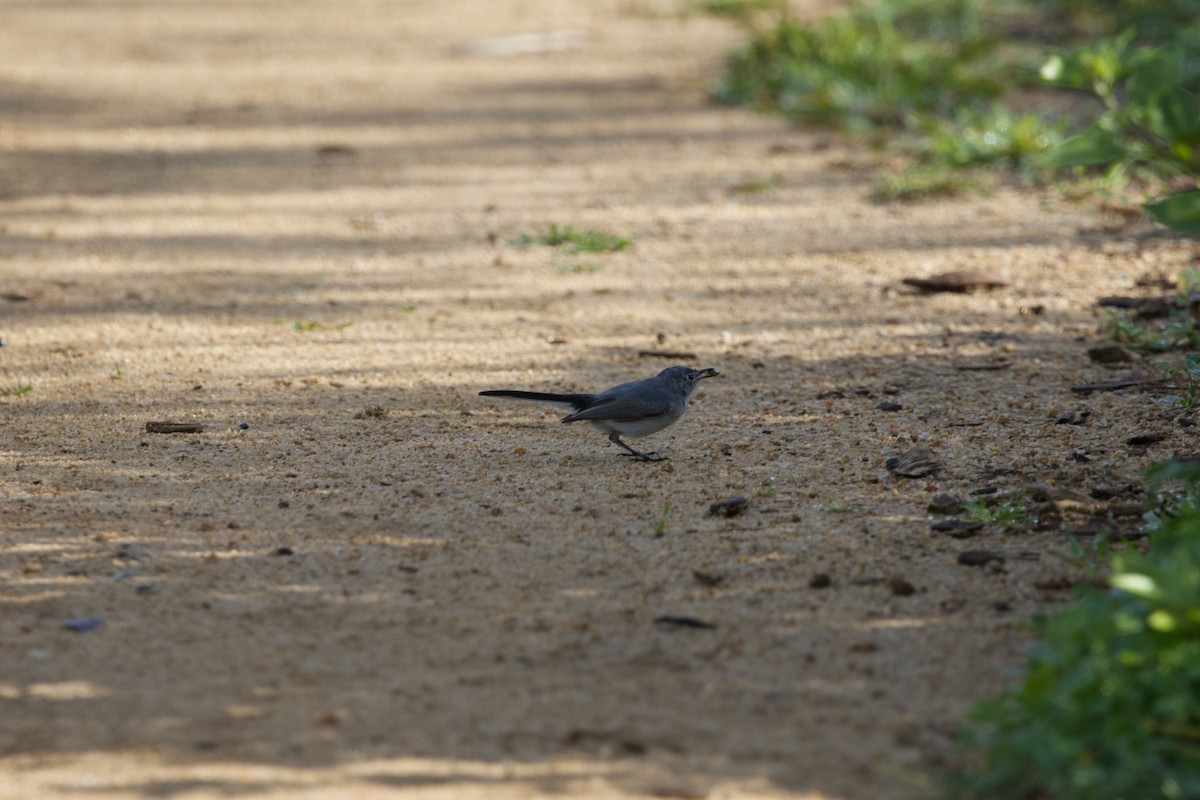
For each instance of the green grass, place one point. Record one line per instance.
(17, 390)
(575, 240)
(923, 182)
(660, 525)
(579, 267)
(1009, 513)
(755, 185)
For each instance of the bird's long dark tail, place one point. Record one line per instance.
(575, 401)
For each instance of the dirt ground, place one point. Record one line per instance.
(292, 222)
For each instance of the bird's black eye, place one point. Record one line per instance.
(692, 375)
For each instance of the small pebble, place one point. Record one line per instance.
(284, 504)
(1110, 354)
(244, 425)
(945, 504)
(84, 624)
(901, 587)
(284, 551)
(978, 558)
(820, 581)
(887, 405)
(958, 528)
(729, 507)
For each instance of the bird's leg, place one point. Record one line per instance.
(615, 438)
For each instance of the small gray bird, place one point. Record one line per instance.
(639, 408)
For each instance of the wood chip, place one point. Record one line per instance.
(674, 355)
(958, 528)
(1123, 382)
(916, 463)
(983, 366)
(174, 427)
(683, 622)
(958, 281)
(1143, 439)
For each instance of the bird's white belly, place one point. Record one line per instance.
(635, 428)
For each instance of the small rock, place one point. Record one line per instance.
(131, 552)
(1143, 439)
(284, 551)
(887, 405)
(284, 504)
(945, 504)
(979, 558)
(1073, 418)
(820, 581)
(707, 579)
(729, 507)
(244, 425)
(916, 463)
(958, 528)
(1110, 354)
(901, 587)
(84, 624)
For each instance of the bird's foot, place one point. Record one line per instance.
(645, 458)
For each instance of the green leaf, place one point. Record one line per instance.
(1180, 212)
(1176, 115)
(1054, 68)
(1162, 620)
(1140, 585)
(1156, 75)
(1092, 147)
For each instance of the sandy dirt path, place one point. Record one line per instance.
(291, 222)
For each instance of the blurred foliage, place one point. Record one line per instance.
(940, 81)
(1109, 707)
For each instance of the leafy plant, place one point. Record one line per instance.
(1149, 127)
(577, 241)
(1009, 513)
(766, 489)
(1108, 708)
(1090, 554)
(17, 390)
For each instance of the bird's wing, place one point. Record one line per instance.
(619, 409)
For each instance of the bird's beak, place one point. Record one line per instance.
(708, 373)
